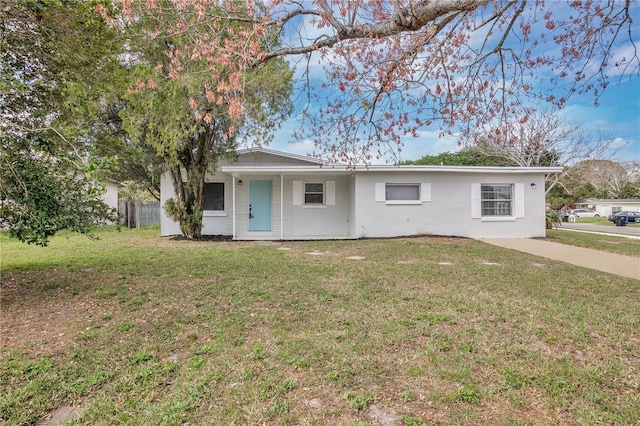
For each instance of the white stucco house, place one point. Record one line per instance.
(272, 195)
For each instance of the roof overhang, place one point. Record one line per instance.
(460, 169)
(343, 170)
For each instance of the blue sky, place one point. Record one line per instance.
(616, 118)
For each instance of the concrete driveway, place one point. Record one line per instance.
(627, 230)
(625, 266)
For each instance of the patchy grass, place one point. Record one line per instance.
(145, 330)
(602, 220)
(620, 245)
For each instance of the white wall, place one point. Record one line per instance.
(167, 226)
(242, 208)
(323, 222)
(110, 197)
(298, 221)
(213, 223)
(449, 211)
(357, 214)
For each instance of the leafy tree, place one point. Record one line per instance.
(596, 178)
(39, 194)
(465, 157)
(602, 178)
(629, 191)
(393, 68)
(47, 169)
(187, 119)
(542, 139)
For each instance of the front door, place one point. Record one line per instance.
(260, 205)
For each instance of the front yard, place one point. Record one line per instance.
(138, 329)
(619, 245)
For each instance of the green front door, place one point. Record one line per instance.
(260, 205)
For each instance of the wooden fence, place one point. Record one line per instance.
(139, 214)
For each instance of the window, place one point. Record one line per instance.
(213, 196)
(402, 192)
(314, 193)
(497, 200)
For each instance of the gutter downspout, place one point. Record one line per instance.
(281, 206)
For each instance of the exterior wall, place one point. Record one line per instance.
(242, 208)
(328, 221)
(110, 197)
(213, 223)
(297, 221)
(167, 226)
(449, 211)
(449, 204)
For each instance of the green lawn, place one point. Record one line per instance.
(144, 330)
(620, 245)
(602, 221)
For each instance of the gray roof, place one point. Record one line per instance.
(609, 201)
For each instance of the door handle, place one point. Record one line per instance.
(250, 214)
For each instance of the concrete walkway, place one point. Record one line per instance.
(618, 264)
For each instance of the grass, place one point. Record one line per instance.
(602, 221)
(144, 330)
(619, 245)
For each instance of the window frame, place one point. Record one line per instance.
(222, 200)
(497, 200)
(417, 200)
(323, 193)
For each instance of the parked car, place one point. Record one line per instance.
(631, 217)
(584, 213)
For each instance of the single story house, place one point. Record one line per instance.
(272, 195)
(607, 207)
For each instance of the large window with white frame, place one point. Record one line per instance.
(213, 196)
(497, 200)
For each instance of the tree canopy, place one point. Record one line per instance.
(186, 117)
(470, 156)
(47, 168)
(393, 68)
(88, 96)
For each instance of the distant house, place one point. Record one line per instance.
(272, 195)
(607, 207)
(110, 197)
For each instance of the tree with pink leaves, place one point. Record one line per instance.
(190, 107)
(393, 68)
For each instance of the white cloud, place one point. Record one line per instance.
(622, 55)
(618, 143)
(305, 147)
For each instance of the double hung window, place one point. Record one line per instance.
(314, 193)
(497, 200)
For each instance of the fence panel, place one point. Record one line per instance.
(139, 214)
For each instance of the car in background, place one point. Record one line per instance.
(630, 216)
(583, 213)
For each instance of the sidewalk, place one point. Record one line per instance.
(618, 264)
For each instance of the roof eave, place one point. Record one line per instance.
(342, 169)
